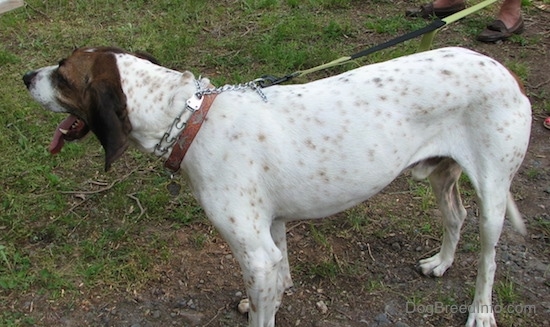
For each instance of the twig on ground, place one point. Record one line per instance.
(430, 252)
(27, 5)
(215, 316)
(370, 253)
(142, 211)
(540, 84)
(108, 187)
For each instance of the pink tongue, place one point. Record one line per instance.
(58, 142)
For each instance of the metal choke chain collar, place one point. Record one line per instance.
(193, 104)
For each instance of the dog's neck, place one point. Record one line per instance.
(165, 93)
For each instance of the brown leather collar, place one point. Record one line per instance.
(188, 134)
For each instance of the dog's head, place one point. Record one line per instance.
(87, 86)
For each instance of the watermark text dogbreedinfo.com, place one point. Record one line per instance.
(441, 308)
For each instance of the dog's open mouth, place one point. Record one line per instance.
(70, 129)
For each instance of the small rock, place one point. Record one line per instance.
(156, 314)
(381, 320)
(191, 304)
(244, 306)
(396, 246)
(391, 310)
(322, 307)
(238, 294)
(173, 188)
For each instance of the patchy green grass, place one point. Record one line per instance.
(64, 221)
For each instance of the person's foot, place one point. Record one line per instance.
(498, 31)
(432, 9)
(546, 122)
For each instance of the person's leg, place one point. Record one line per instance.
(510, 12)
(508, 22)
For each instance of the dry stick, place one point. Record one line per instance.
(430, 252)
(38, 11)
(77, 225)
(295, 225)
(370, 253)
(104, 188)
(142, 211)
(215, 316)
(540, 84)
(71, 209)
(338, 263)
(344, 314)
(99, 183)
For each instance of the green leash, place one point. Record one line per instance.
(428, 33)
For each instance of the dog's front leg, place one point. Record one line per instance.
(261, 263)
(260, 259)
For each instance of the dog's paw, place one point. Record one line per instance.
(476, 319)
(435, 266)
(244, 306)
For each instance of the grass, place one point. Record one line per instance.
(67, 226)
(506, 292)
(422, 192)
(357, 218)
(64, 221)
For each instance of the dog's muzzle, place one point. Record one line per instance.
(28, 78)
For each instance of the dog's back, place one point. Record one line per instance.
(323, 146)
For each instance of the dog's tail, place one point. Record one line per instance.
(514, 215)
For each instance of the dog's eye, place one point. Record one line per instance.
(61, 80)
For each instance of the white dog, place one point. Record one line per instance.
(267, 156)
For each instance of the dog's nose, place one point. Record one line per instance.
(28, 78)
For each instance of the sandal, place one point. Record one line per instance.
(546, 123)
(428, 11)
(497, 31)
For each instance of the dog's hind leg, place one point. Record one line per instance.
(493, 202)
(443, 174)
(278, 232)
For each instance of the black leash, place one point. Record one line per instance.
(432, 27)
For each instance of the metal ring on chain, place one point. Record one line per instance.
(159, 149)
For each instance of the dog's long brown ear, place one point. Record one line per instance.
(108, 118)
